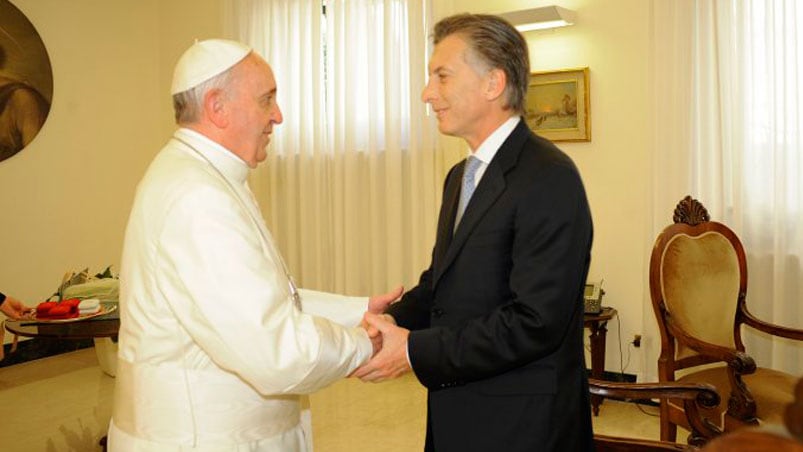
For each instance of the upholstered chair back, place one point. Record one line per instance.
(700, 287)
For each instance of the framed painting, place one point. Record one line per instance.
(557, 105)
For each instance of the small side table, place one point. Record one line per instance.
(101, 330)
(598, 324)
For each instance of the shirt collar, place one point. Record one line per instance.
(487, 150)
(220, 157)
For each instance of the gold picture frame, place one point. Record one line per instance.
(557, 105)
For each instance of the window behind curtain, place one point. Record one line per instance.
(366, 46)
(728, 81)
(767, 168)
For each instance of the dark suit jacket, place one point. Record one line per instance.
(497, 319)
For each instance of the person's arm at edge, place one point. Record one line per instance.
(12, 307)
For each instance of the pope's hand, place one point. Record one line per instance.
(373, 332)
(377, 305)
(391, 361)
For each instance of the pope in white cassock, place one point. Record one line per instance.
(215, 342)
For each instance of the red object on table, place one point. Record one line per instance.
(64, 309)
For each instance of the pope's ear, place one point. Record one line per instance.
(496, 83)
(215, 107)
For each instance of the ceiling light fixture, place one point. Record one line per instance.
(540, 18)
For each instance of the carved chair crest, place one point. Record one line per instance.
(690, 211)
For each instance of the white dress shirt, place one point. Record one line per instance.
(487, 150)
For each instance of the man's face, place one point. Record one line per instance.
(455, 90)
(254, 110)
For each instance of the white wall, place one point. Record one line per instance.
(612, 38)
(66, 197)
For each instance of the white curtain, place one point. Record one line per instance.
(352, 185)
(728, 84)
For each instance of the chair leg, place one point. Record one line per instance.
(672, 432)
(668, 429)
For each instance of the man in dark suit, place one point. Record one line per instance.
(497, 319)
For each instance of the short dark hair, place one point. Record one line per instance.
(498, 45)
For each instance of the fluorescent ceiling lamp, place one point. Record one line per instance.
(540, 18)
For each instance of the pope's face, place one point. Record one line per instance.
(254, 110)
(454, 90)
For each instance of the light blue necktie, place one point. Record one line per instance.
(467, 189)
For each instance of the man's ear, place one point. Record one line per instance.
(496, 81)
(215, 107)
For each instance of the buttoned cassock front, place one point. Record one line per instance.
(212, 351)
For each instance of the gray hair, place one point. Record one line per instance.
(496, 44)
(188, 105)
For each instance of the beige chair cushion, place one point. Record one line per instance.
(700, 287)
(772, 390)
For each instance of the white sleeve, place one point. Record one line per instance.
(347, 311)
(234, 302)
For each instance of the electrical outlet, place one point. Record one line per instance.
(636, 341)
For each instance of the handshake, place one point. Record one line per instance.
(389, 341)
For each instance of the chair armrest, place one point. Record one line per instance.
(769, 328)
(693, 395)
(704, 393)
(741, 404)
(737, 360)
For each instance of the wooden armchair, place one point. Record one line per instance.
(698, 285)
(693, 396)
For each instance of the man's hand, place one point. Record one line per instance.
(391, 361)
(379, 303)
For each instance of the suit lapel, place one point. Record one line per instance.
(451, 197)
(491, 186)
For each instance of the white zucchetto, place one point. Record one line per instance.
(204, 60)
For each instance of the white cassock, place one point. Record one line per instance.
(213, 353)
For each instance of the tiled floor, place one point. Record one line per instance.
(63, 403)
